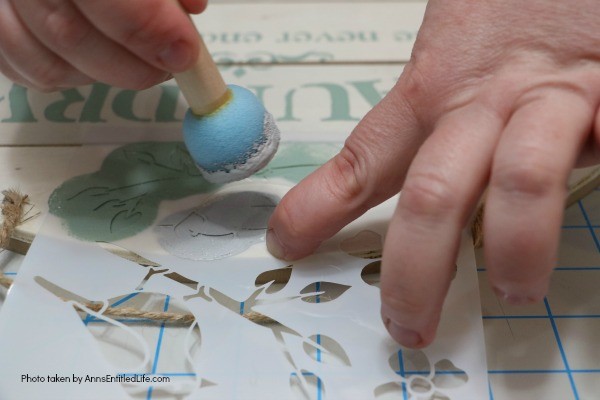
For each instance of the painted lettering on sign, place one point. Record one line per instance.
(100, 103)
(308, 36)
(327, 37)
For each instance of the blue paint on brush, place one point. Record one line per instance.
(230, 135)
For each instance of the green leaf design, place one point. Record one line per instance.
(122, 198)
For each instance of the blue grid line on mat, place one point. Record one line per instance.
(567, 370)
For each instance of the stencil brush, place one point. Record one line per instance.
(227, 130)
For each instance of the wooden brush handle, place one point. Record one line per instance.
(202, 85)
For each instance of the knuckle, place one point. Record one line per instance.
(287, 221)
(293, 228)
(66, 29)
(529, 179)
(49, 75)
(423, 77)
(414, 88)
(349, 183)
(412, 79)
(428, 195)
(283, 217)
(402, 302)
(150, 28)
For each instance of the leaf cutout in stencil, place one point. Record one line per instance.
(127, 254)
(322, 292)
(278, 278)
(450, 376)
(416, 361)
(366, 244)
(394, 362)
(390, 390)
(326, 350)
(370, 274)
(307, 386)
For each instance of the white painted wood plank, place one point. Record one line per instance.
(303, 32)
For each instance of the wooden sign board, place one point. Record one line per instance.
(316, 102)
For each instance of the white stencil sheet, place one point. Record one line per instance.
(324, 340)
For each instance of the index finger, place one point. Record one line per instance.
(369, 169)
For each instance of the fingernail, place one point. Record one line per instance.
(274, 245)
(515, 299)
(405, 337)
(176, 57)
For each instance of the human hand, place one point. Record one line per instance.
(502, 94)
(133, 44)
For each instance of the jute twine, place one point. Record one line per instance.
(477, 226)
(12, 212)
(12, 206)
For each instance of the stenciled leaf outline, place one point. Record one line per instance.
(122, 197)
(135, 178)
